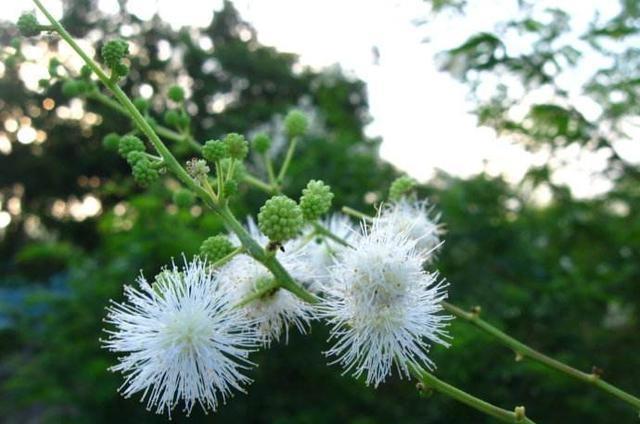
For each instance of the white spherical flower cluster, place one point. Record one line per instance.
(182, 340)
(273, 313)
(415, 219)
(383, 307)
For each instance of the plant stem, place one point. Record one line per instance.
(356, 214)
(227, 258)
(430, 381)
(319, 229)
(269, 165)
(256, 182)
(282, 277)
(525, 351)
(270, 287)
(161, 130)
(251, 246)
(287, 159)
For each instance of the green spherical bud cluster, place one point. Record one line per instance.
(262, 143)
(215, 248)
(176, 93)
(296, 123)
(176, 118)
(401, 187)
(315, 200)
(141, 104)
(215, 150)
(171, 118)
(113, 52)
(111, 141)
(121, 70)
(144, 173)
(128, 144)
(238, 146)
(28, 25)
(134, 157)
(280, 218)
(183, 198)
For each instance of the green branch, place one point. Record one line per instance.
(429, 381)
(524, 351)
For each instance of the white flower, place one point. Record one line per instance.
(274, 313)
(181, 339)
(413, 218)
(321, 252)
(383, 306)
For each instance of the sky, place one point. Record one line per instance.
(422, 114)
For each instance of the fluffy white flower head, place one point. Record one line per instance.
(383, 307)
(274, 313)
(415, 219)
(181, 339)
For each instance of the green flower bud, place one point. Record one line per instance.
(128, 144)
(121, 70)
(171, 118)
(183, 198)
(280, 219)
(28, 25)
(141, 104)
(183, 119)
(114, 51)
(401, 187)
(262, 143)
(144, 173)
(216, 247)
(296, 123)
(215, 150)
(176, 93)
(238, 146)
(230, 188)
(315, 200)
(111, 141)
(85, 72)
(134, 157)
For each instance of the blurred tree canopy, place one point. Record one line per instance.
(561, 277)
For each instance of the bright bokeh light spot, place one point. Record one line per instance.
(5, 219)
(11, 125)
(5, 144)
(146, 91)
(26, 135)
(48, 103)
(88, 207)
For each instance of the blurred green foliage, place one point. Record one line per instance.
(563, 278)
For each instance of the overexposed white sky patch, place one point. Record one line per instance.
(421, 113)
